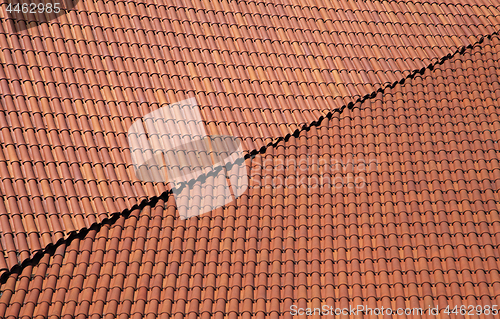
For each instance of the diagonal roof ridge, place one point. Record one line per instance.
(50, 249)
(372, 95)
(264, 70)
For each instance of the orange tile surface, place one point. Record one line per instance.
(70, 89)
(393, 203)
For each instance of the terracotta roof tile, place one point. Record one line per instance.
(73, 87)
(392, 203)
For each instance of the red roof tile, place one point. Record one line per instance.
(72, 88)
(392, 203)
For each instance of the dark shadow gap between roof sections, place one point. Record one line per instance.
(51, 248)
(408, 183)
(282, 67)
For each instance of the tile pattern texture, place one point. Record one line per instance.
(259, 70)
(392, 203)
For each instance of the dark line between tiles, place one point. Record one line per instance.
(80, 234)
(329, 115)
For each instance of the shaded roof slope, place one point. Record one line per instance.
(72, 87)
(393, 203)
